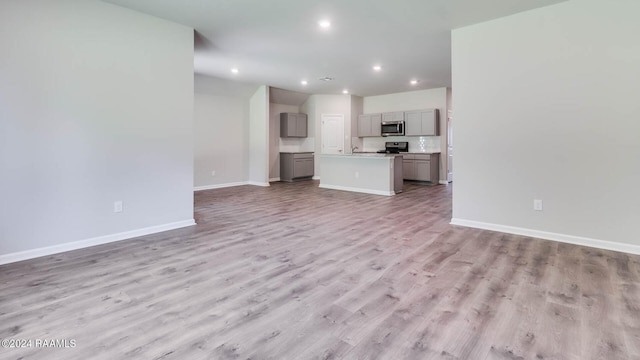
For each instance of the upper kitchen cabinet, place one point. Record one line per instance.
(293, 125)
(393, 116)
(369, 125)
(422, 122)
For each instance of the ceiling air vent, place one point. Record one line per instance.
(326, 78)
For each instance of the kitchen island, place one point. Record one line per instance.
(371, 173)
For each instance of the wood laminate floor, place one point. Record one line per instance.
(297, 272)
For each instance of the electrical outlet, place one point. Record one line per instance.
(117, 206)
(357, 174)
(537, 204)
(213, 173)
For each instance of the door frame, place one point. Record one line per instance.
(323, 131)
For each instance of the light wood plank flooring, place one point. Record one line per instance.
(297, 272)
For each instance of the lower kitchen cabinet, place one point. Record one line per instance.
(421, 167)
(294, 166)
(408, 168)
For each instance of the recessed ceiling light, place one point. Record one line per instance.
(324, 24)
(235, 70)
(345, 91)
(414, 82)
(377, 67)
(303, 82)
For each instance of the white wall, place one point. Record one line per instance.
(259, 137)
(317, 105)
(412, 100)
(96, 103)
(449, 134)
(546, 107)
(309, 108)
(221, 121)
(357, 108)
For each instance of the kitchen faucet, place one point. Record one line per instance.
(354, 148)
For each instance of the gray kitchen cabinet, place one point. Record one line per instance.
(296, 166)
(421, 167)
(364, 125)
(422, 122)
(393, 116)
(408, 168)
(293, 125)
(398, 178)
(369, 125)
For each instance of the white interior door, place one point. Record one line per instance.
(332, 134)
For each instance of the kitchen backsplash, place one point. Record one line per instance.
(416, 143)
(296, 144)
(370, 144)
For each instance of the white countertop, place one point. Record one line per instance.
(364, 155)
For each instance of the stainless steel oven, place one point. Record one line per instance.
(392, 128)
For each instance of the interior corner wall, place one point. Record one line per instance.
(309, 108)
(276, 143)
(259, 137)
(546, 107)
(357, 106)
(221, 134)
(96, 103)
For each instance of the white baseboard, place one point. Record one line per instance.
(274, 179)
(360, 190)
(570, 239)
(316, 178)
(55, 249)
(443, 182)
(220, 186)
(257, 183)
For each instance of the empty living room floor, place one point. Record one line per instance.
(296, 272)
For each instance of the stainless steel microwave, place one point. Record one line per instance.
(392, 128)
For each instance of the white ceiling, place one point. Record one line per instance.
(279, 42)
